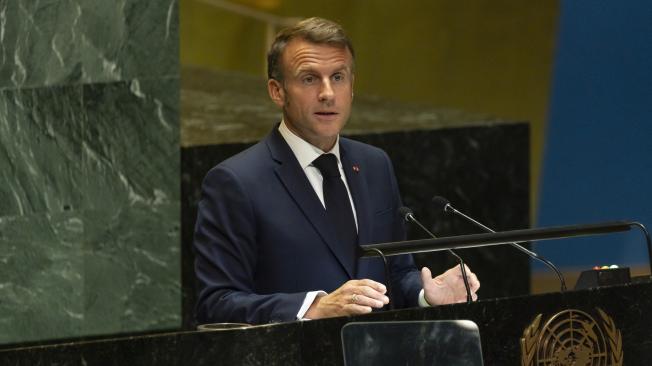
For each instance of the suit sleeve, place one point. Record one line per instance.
(226, 255)
(406, 279)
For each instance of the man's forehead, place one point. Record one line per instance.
(301, 53)
(303, 42)
(331, 68)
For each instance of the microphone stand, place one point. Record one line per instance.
(469, 299)
(387, 275)
(449, 208)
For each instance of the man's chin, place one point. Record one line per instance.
(330, 131)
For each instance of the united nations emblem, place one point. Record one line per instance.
(572, 337)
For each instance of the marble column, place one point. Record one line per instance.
(89, 168)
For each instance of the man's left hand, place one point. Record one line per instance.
(448, 287)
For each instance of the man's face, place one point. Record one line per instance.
(316, 91)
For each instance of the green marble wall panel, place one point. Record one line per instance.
(51, 42)
(130, 153)
(40, 154)
(41, 284)
(89, 213)
(89, 168)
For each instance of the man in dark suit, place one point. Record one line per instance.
(278, 224)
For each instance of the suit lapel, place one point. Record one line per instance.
(295, 181)
(355, 178)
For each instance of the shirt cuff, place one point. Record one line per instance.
(422, 300)
(309, 299)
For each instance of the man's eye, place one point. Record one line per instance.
(309, 80)
(338, 77)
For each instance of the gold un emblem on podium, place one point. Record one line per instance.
(572, 337)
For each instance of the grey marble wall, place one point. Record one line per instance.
(89, 168)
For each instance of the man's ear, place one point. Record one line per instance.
(276, 92)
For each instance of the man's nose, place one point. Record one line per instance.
(326, 91)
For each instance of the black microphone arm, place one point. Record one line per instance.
(407, 215)
(442, 202)
(648, 241)
(498, 238)
(505, 237)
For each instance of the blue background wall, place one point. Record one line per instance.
(598, 158)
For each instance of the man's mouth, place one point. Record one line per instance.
(326, 113)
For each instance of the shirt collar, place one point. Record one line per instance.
(305, 152)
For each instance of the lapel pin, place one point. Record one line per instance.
(356, 168)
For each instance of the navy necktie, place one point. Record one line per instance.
(338, 206)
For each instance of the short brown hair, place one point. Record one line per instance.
(314, 30)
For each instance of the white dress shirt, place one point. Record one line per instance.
(306, 154)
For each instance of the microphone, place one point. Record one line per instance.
(407, 215)
(443, 204)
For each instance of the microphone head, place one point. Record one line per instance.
(440, 203)
(404, 212)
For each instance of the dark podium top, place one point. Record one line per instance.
(595, 325)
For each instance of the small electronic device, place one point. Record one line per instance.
(603, 276)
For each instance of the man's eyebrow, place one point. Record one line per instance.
(305, 69)
(343, 68)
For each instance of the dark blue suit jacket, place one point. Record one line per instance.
(262, 239)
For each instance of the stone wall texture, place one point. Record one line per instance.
(89, 168)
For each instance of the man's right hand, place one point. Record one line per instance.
(352, 298)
